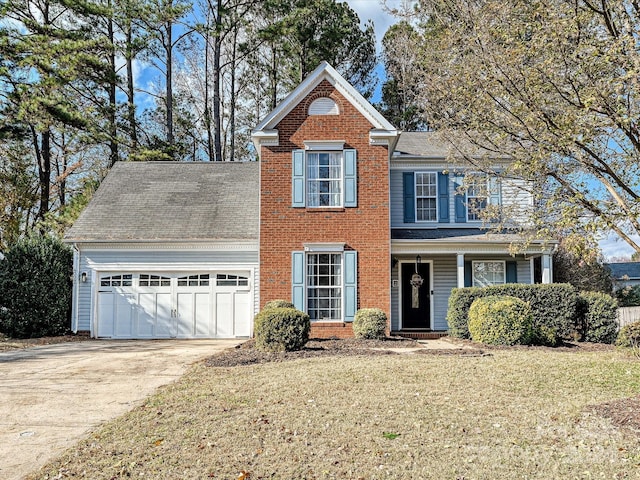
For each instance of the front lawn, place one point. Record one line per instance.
(521, 413)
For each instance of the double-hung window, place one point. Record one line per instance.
(486, 273)
(324, 179)
(476, 199)
(324, 282)
(324, 176)
(426, 196)
(324, 286)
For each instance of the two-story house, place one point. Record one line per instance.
(341, 212)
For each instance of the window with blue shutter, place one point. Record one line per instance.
(350, 179)
(297, 280)
(459, 200)
(298, 180)
(350, 285)
(512, 272)
(443, 197)
(408, 188)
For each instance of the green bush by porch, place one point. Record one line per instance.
(501, 320)
(369, 323)
(596, 317)
(553, 307)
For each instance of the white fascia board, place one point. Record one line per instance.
(324, 71)
(324, 145)
(102, 245)
(443, 247)
(324, 247)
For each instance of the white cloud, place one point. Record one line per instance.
(614, 246)
(375, 10)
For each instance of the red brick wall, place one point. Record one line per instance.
(284, 229)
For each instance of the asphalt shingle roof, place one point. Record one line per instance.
(422, 144)
(173, 201)
(629, 270)
(453, 235)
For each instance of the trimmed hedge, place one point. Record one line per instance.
(597, 317)
(369, 323)
(628, 296)
(281, 329)
(278, 304)
(553, 307)
(501, 320)
(35, 288)
(629, 336)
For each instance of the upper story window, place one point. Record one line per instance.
(324, 176)
(324, 179)
(482, 191)
(426, 196)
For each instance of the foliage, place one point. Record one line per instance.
(369, 323)
(552, 85)
(400, 92)
(35, 288)
(553, 305)
(629, 336)
(597, 317)
(584, 272)
(281, 329)
(501, 320)
(628, 296)
(278, 304)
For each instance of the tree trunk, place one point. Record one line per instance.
(169, 87)
(131, 106)
(217, 120)
(113, 126)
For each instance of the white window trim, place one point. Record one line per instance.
(307, 180)
(306, 285)
(473, 271)
(331, 145)
(415, 190)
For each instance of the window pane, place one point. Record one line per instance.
(324, 179)
(426, 196)
(324, 286)
(488, 273)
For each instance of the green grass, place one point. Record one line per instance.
(520, 414)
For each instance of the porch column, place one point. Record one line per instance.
(546, 268)
(461, 270)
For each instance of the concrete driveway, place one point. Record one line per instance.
(52, 396)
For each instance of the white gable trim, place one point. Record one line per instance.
(383, 133)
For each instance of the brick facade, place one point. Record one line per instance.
(365, 229)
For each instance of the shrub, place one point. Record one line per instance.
(629, 336)
(369, 323)
(35, 288)
(501, 320)
(278, 304)
(281, 329)
(628, 296)
(597, 314)
(553, 306)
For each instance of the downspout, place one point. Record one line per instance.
(75, 289)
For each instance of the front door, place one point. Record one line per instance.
(416, 298)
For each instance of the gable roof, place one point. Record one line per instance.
(625, 270)
(172, 201)
(382, 130)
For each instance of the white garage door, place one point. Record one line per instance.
(166, 305)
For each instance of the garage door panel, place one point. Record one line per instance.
(165, 321)
(106, 314)
(224, 314)
(242, 320)
(202, 316)
(125, 304)
(146, 314)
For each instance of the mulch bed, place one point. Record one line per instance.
(7, 344)
(624, 413)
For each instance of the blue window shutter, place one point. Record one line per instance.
(298, 177)
(461, 208)
(350, 179)
(512, 272)
(468, 274)
(408, 189)
(443, 197)
(350, 285)
(297, 280)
